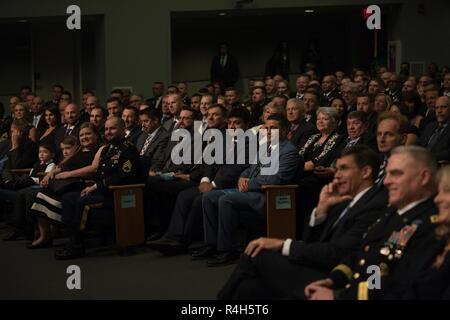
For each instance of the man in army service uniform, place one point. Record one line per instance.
(118, 165)
(400, 245)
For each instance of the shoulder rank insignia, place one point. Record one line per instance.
(126, 167)
(434, 219)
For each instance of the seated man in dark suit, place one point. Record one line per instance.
(299, 130)
(402, 244)
(274, 268)
(164, 193)
(186, 219)
(436, 135)
(70, 128)
(132, 128)
(153, 140)
(222, 209)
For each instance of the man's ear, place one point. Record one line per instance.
(366, 172)
(404, 137)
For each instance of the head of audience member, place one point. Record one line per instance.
(20, 111)
(13, 101)
(195, 101)
(364, 102)
(205, 102)
(277, 78)
(118, 94)
(172, 89)
(98, 117)
(221, 100)
(391, 131)
(29, 101)
(238, 118)
(20, 130)
(52, 116)
(361, 83)
(280, 100)
(301, 83)
(165, 106)
(175, 103)
(86, 94)
(283, 87)
(269, 85)
(411, 101)
(312, 73)
(295, 111)
(187, 117)
(126, 97)
(217, 88)
(424, 81)
(136, 100)
(408, 85)
(251, 84)
(65, 99)
(46, 152)
(339, 76)
(394, 84)
(382, 103)
(311, 101)
(24, 92)
(71, 114)
(398, 109)
(182, 88)
(90, 103)
(114, 130)
(446, 82)
(231, 97)
(356, 170)
(349, 92)
(376, 86)
(69, 146)
(278, 123)
(131, 117)
(270, 109)
(328, 83)
(442, 110)
(404, 69)
(431, 96)
(258, 95)
(57, 92)
(158, 89)
(150, 120)
(217, 116)
(386, 76)
(410, 175)
(327, 120)
(356, 124)
(381, 70)
(114, 107)
(339, 104)
(442, 201)
(144, 105)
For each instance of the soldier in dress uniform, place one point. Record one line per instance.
(397, 247)
(118, 165)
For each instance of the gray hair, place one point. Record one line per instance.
(330, 112)
(419, 154)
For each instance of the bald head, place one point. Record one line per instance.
(71, 114)
(114, 129)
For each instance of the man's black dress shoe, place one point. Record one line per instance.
(41, 245)
(223, 259)
(204, 252)
(167, 246)
(155, 236)
(70, 252)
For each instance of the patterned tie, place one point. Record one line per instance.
(146, 144)
(381, 173)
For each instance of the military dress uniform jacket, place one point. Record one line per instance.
(118, 165)
(401, 246)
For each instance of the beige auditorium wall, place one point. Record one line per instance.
(137, 33)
